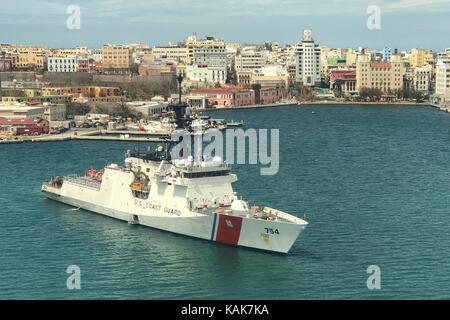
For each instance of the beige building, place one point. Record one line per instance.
(384, 75)
(171, 54)
(270, 81)
(422, 78)
(155, 69)
(54, 112)
(116, 58)
(19, 110)
(420, 57)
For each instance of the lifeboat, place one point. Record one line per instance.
(91, 172)
(99, 175)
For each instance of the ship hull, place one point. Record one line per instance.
(274, 236)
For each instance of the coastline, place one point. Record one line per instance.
(322, 103)
(93, 134)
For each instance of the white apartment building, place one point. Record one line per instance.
(422, 78)
(201, 73)
(443, 79)
(62, 64)
(250, 61)
(308, 61)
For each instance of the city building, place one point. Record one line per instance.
(308, 61)
(227, 97)
(171, 54)
(443, 79)
(344, 81)
(422, 78)
(387, 53)
(384, 75)
(5, 64)
(158, 67)
(156, 105)
(249, 60)
(209, 53)
(84, 94)
(54, 112)
(62, 64)
(269, 95)
(17, 110)
(27, 60)
(83, 64)
(116, 59)
(203, 73)
(420, 57)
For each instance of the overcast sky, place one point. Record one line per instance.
(335, 23)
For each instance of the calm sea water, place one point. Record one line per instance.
(374, 183)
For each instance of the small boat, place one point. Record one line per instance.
(235, 124)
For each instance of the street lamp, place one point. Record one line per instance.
(180, 78)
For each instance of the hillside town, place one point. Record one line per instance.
(45, 89)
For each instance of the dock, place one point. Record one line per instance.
(99, 135)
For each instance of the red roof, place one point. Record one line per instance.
(20, 121)
(342, 75)
(380, 64)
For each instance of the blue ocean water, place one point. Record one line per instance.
(373, 182)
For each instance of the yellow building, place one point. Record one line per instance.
(116, 58)
(28, 60)
(384, 75)
(152, 69)
(420, 57)
(83, 91)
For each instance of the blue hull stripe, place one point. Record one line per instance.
(213, 227)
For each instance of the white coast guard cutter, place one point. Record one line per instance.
(180, 196)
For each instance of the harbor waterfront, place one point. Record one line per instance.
(373, 182)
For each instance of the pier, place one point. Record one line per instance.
(98, 135)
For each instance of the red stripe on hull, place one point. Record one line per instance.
(228, 229)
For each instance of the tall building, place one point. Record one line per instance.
(384, 75)
(420, 57)
(250, 60)
(422, 78)
(308, 60)
(443, 79)
(116, 58)
(209, 53)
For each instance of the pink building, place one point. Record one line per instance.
(227, 97)
(83, 65)
(269, 95)
(95, 67)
